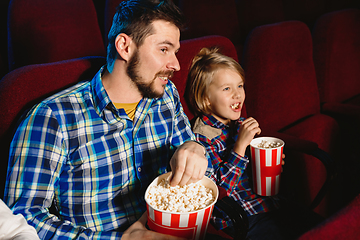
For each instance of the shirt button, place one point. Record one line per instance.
(139, 169)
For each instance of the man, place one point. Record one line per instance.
(92, 150)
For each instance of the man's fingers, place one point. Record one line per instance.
(188, 164)
(176, 176)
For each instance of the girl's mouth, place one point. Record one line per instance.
(235, 106)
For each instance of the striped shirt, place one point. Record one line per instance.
(229, 169)
(77, 150)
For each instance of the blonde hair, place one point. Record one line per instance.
(203, 67)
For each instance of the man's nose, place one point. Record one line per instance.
(174, 64)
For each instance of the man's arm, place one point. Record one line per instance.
(189, 162)
(36, 158)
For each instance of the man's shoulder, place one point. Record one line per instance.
(60, 100)
(77, 89)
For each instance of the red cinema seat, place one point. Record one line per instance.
(336, 43)
(23, 87)
(336, 40)
(42, 31)
(344, 224)
(282, 95)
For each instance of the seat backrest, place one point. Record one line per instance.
(280, 81)
(336, 40)
(23, 87)
(188, 49)
(42, 31)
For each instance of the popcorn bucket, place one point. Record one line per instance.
(266, 165)
(190, 225)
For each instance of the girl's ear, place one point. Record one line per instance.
(124, 46)
(207, 101)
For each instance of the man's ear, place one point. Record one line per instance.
(124, 46)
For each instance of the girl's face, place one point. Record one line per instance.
(226, 95)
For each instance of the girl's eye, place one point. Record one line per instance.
(241, 86)
(226, 89)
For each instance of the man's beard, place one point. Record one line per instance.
(146, 89)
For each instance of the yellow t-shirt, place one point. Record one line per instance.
(129, 108)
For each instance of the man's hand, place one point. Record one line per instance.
(188, 164)
(139, 231)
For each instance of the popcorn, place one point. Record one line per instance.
(266, 144)
(188, 198)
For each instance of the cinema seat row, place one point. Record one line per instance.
(302, 85)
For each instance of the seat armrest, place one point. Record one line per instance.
(237, 215)
(341, 109)
(310, 148)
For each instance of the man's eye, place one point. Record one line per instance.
(163, 49)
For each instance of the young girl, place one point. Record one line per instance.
(216, 96)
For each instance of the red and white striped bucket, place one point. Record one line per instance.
(190, 225)
(266, 166)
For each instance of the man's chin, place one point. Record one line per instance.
(153, 94)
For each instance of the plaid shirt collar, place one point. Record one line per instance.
(212, 121)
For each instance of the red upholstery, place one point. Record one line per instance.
(42, 31)
(336, 40)
(282, 95)
(110, 10)
(212, 17)
(188, 49)
(25, 86)
(343, 225)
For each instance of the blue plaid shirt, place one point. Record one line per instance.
(77, 150)
(229, 168)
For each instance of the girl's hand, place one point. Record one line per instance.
(248, 129)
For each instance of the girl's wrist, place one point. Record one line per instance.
(240, 150)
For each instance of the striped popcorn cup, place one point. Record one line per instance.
(266, 165)
(190, 225)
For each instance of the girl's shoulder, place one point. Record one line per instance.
(200, 127)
